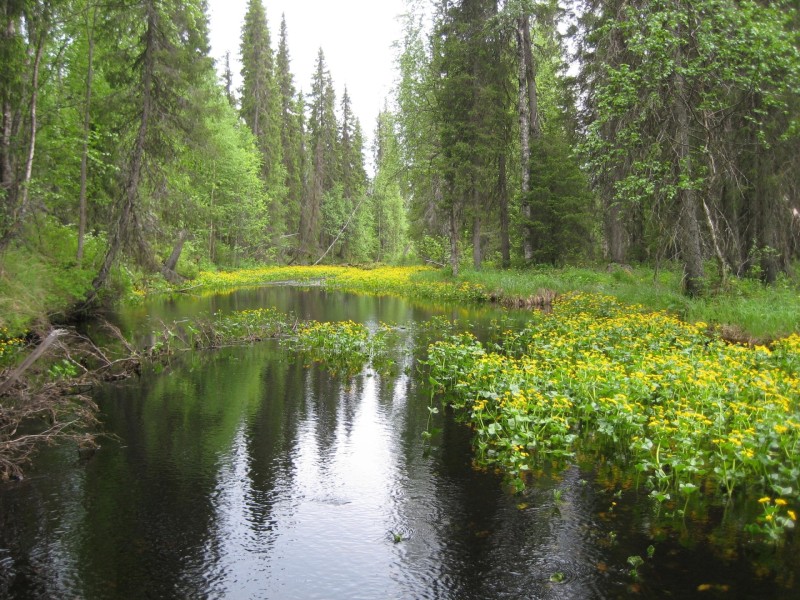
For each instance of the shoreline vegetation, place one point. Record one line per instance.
(691, 411)
(741, 310)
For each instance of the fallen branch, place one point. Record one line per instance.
(32, 358)
(433, 262)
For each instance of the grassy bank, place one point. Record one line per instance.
(35, 288)
(745, 308)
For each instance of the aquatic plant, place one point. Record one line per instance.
(407, 282)
(775, 519)
(681, 407)
(635, 562)
(346, 347)
(342, 346)
(221, 329)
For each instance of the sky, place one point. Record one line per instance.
(356, 37)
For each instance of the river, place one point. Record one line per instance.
(243, 473)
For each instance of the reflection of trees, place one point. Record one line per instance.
(150, 504)
(226, 461)
(271, 435)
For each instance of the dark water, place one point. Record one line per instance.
(242, 474)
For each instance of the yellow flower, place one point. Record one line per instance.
(781, 502)
(764, 500)
(792, 515)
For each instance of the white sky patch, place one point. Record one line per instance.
(356, 37)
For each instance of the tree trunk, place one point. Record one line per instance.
(131, 191)
(768, 236)
(614, 227)
(689, 227)
(86, 126)
(502, 192)
(211, 245)
(528, 124)
(530, 76)
(524, 138)
(453, 240)
(766, 205)
(6, 163)
(477, 255)
(168, 270)
(172, 261)
(26, 178)
(20, 209)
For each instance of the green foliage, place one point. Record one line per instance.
(677, 408)
(560, 204)
(292, 109)
(262, 109)
(44, 278)
(63, 369)
(719, 75)
(389, 222)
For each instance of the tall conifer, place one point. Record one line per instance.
(261, 106)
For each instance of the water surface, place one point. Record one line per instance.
(241, 473)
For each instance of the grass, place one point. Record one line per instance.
(36, 285)
(40, 279)
(34, 288)
(745, 308)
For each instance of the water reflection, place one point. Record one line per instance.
(242, 474)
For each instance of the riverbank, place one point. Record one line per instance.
(742, 310)
(628, 377)
(34, 294)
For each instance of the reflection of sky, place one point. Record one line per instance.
(322, 527)
(328, 533)
(242, 475)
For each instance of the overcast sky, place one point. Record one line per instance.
(355, 35)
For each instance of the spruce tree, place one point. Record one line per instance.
(261, 107)
(472, 110)
(163, 71)
(388, 207)
(291, 133)
(324, 160)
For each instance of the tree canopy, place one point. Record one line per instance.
(520, 132)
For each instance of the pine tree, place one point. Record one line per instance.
(353, 178)
(227, 79)
(420, 142)
(164, 72)
(472, 109)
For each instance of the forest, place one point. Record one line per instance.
(520, 133)
(242, 330)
